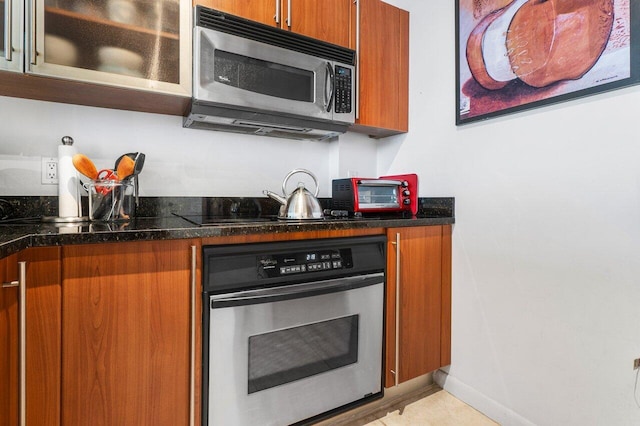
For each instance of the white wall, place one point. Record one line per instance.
(546, 277)
(179, 162)
(546, 287)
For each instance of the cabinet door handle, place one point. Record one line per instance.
(22, 339)
(277, 15)
(192, 357)
(396, 372)
(32, 11)
(357, 91)
(22, 291)
(8, 22)
(289, 13)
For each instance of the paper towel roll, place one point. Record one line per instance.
(68, 184)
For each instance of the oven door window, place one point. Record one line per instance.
(283, 356)
(266, 78)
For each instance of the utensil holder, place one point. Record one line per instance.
(111, 200)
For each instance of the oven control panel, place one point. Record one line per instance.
(277, 265)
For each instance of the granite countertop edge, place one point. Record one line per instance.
(172, 218)
(37, 235)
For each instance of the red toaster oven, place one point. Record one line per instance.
(386, 194)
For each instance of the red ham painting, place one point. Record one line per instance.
(518, 52)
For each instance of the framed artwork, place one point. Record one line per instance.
(513, 55)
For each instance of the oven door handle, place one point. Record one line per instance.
(296, 291)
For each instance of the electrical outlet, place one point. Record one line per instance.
(636, 363)
(49, 170)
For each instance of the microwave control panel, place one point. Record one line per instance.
(343, 84)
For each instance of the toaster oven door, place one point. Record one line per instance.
(378, 194)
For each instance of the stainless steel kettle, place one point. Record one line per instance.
(300, 203)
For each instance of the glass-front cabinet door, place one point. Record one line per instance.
(140, 44)
(11, 35)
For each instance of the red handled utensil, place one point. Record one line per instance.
(106, 175)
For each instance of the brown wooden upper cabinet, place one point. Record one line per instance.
(327, 20)
(381, 38)
(142, 47)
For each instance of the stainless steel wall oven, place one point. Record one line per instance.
(292, 330)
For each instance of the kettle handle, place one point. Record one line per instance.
(293, 172)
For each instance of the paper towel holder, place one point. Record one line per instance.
(67, 141)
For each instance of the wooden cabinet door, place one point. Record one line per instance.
(383, 94)
(9, 398)
(42, 334)
(417, 272)
(44, 319)
(326, 20)
(263, 11)
(126, 333)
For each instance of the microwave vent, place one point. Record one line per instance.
(207, 117)
(271, 127)
(231, 24)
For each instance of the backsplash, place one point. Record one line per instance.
(34, 207)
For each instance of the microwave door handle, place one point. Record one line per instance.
(331, 86)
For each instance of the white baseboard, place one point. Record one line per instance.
(487, 406)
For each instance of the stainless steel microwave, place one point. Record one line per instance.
(253, 78)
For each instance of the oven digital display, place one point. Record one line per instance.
(303, 262)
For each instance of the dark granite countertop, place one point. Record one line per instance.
(162, 219)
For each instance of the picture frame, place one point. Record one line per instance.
(516, 55)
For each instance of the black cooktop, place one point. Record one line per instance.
(205, 220)
(212, 220)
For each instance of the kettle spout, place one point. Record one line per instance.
(275, 196)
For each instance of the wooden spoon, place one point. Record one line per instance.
(84, 165)
(125, 167)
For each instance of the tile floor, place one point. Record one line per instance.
(437, 409)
